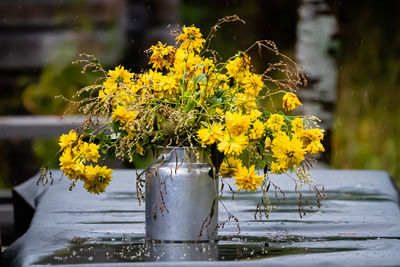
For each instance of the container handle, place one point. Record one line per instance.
(159, 160)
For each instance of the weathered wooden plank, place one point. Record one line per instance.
(34, 33)
(50, 13)
(6, 218)
(36, 49)
(356, 226)
(27, 127)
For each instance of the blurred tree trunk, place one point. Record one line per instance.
(315, 49)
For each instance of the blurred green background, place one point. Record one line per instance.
(367, 115)
(366, 128)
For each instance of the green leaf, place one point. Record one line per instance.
(115, 126)
(266, 113)
(204, 123)
(217, 101)
(88, 130)
(281, 113)
(199, 78)
(189, 106)
(114, 136)
(219, 93)
(288, 120)
(182, 82)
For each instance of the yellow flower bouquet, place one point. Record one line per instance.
(191, 98)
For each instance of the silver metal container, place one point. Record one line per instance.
(181, 197)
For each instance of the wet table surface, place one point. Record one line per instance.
(359, 225)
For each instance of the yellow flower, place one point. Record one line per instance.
(255, 114)
(78, 171)
(208, 64)
(247, 102)
(237, 123)
(110, 87)
(97, 178)
(253, 85)
(314, 147)
(162, 56)
(90, 151)
(124, 117)
(288, 152)
(247, 179)
(311, 139)
(205, 88)
(257, 131)
(233, 145)
(169, 85)
(191, 38)
(237, 68)
(268, 143)
(118, 87)
(297, 126)
(155, 84)
(276, 168)
(67, 140)
(116, 77)
(275, 122)
(71, 165)
(211, 134)
(219, 111)
(220, 80)
(66, 162)
(309, 135)
(290, 101)
(186, 62)
(120, 75)
(229, 167)
(139, 150)
(152, 83)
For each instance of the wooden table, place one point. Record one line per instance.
(357, 226)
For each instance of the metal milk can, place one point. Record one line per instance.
(181, 197)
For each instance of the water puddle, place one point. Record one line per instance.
(106, 250)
